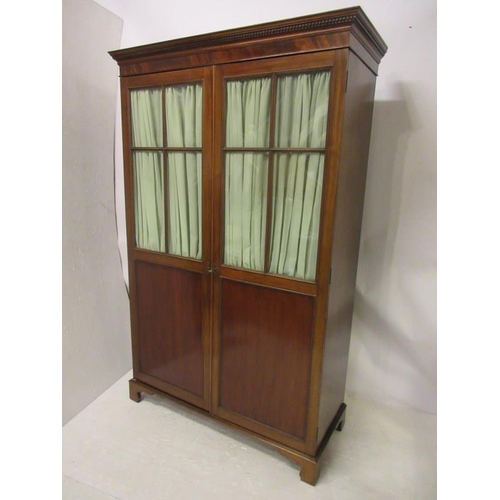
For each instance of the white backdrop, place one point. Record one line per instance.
(393, 346)
(95, 317)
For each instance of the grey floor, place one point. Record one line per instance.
(118, 449)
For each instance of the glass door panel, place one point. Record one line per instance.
(184, 105)
(302, 110)
(248, 111)
(184, 108)
(148, 203)
(147, 132)
(248, 104)
(167, 128)
(275, 132)
(297, 189)
(147, 127)
(245, 210)
(184, 204)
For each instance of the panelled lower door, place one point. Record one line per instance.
(168, 193)
(271, 152)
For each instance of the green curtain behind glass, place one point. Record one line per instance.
(301, 120)
(302, 110)
(148, 193)
(247, 125)
(296, 209)
(146, 108)
(147, 129)
(184, 123)
(245, 213)
(184, 113)
(184, 129)
(184, 204)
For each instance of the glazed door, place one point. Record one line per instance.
(270, 156)
(168, 195)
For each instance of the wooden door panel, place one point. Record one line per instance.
(265, 355)
(170, 325)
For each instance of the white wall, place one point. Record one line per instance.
(96, 331)
(393, 348)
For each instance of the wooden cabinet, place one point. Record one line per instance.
(245, 155)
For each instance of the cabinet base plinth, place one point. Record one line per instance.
(135, 390)
(309, 466)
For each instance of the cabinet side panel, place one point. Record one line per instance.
(346, 236)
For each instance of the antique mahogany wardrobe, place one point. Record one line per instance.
(245, 156)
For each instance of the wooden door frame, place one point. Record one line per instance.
(204, 75)
(337, 60)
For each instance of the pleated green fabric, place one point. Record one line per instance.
(297, 188)
(184, 115)
(302, 110)
(147, 131)
(184, 204)
(301, 121)
(147, 128)
(247, 125)
(245, 210)
(148, 194)
(184, 129)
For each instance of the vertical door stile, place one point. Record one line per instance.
(207, 229)
(165, 163)
(130, 220)
(217, 204)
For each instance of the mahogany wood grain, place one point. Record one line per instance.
(287, 65)
(269, 280)
(348, 212)
(130, 219)
(356, 47)
(167, 260)
(136, 389)
(313, 33)
(266, 355)
(217, 225)
(207, 229)
(332, 159)
(169, 306)
(261, 429)
(173, 390)
(274, 150)
(309, 467)
(254, 51)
